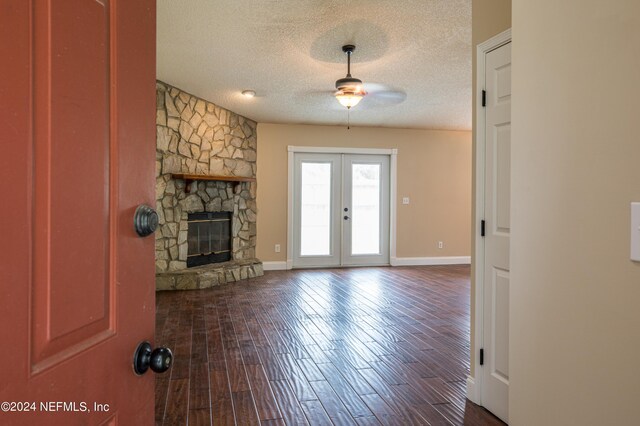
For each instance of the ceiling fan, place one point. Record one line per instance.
(350, 90)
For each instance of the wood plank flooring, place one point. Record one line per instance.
(360, 346)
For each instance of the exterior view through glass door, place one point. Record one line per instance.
(341, 210)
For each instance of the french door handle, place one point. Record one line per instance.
(346, 218)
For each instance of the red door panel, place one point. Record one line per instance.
(75, 159)
(77, 112)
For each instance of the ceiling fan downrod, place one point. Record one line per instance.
(348, 49)
(350, 89)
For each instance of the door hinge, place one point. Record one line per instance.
(484, 98)
(481, 356)
(482, 228)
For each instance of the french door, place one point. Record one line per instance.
(341, 210)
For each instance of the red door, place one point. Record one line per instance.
(77, 94)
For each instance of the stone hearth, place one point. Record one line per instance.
(208, 276)
(194, 136)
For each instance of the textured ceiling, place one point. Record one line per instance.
(416, 52)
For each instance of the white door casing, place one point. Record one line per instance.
(490, 386)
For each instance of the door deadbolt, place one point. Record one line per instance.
(145, 220)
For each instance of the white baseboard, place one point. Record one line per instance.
(274, 266)
(427, 261)
(395, 261)
(472, 391)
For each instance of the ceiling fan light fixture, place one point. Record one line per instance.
(349, 98)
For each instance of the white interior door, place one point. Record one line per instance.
(495, 371)
(341, 210)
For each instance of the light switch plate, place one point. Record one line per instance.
(635, 232)
(405, 200)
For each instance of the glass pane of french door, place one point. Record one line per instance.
(365, 209)
(315, 204)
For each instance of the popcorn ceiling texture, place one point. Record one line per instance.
(289, 52)
(197, 137)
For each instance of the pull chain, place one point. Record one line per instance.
(348, 118)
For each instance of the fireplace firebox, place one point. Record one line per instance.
(208, 238)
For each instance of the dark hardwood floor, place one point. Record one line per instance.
(361, 346)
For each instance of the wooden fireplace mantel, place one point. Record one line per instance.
(189, 179)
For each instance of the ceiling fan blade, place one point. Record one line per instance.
(376, 87)
(381, 96)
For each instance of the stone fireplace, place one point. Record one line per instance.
(197, 138)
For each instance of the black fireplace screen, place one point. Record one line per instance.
(208, 238)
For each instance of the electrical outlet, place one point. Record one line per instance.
(405, 200)
(277, 248)
(440, 244)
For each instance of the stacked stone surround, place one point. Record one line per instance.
(194, 136)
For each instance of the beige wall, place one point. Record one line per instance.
(434, 170)
(575, 316)
(489, 17)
